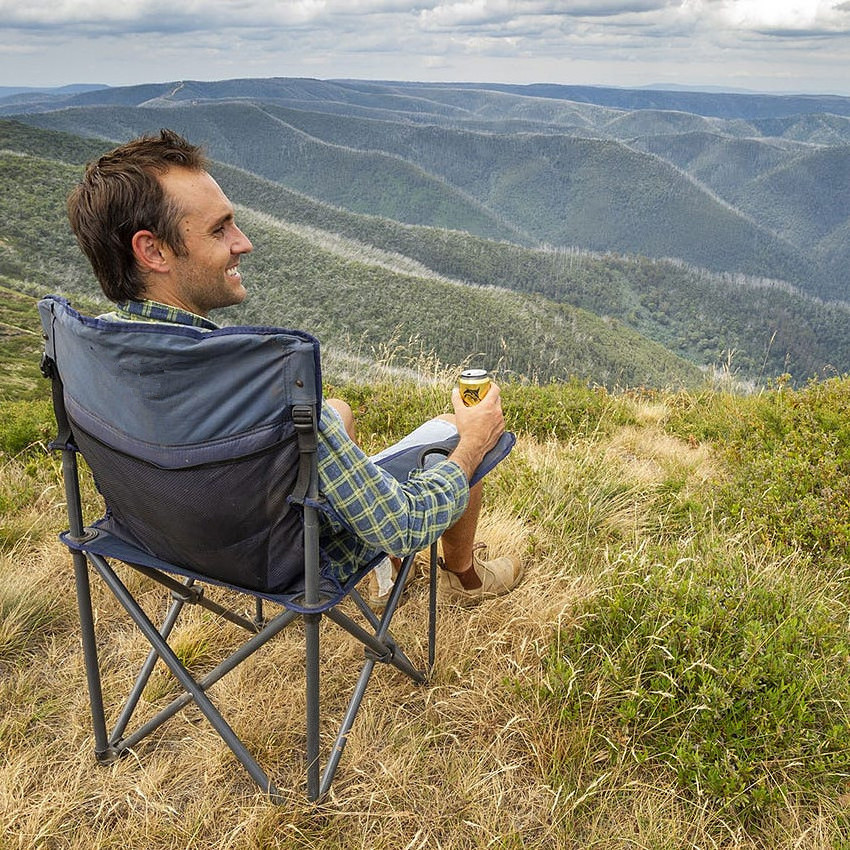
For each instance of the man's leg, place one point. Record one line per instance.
(468, 578)
(346, 414)
(459, 540)
(471, 578)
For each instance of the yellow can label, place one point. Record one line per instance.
(473, 385)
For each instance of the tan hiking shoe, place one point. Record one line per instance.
(498, 576)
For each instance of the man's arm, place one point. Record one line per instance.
(396, 517)
(400, 517)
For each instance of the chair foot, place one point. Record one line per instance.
(108, 756)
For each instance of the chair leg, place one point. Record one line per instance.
(432, 608)
(311, 630)
(379, 647)
(345, 726)
(102, 749)
(182, 675)
(274, 627)
(145, 673)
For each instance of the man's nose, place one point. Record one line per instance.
(242, 245)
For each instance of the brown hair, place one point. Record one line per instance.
(119, 195)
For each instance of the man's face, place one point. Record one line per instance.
(206, 275)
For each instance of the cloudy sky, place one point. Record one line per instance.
(765, 45)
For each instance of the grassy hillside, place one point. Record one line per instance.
(568, 191)
(672, 671)
(816, 129)
(703, 318)
(63, 147)
(36, 243)
(719, 104)
(836, 249)
(580, 186)
(20, 345)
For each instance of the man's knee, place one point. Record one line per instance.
(346, 414)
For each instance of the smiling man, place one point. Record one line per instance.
(163, 241)
(156, 227)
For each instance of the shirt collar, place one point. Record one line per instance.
(153, 311)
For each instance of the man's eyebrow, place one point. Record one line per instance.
(223, 219)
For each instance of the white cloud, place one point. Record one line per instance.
(749, 42)
(158, 15)
(466, 13)
(105, 16)
(779, 16)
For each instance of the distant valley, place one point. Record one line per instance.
(605, 234)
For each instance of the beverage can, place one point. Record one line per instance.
(473, 385)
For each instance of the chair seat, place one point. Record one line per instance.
(100, 542)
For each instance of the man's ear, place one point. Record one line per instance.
(148, 252)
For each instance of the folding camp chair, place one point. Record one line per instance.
(203, 445)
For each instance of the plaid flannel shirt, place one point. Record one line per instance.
(366, 511)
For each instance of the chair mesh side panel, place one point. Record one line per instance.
(230, 521)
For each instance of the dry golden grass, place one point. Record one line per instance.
(466, 761)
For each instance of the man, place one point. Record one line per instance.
(163, 241)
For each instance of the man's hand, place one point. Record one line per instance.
(479, 427)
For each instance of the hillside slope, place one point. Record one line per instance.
(706, 319)
(765, 328)
(318, 282)
(596, 194)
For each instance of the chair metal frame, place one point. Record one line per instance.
(378, 643)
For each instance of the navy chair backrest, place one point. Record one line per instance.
(190, 438)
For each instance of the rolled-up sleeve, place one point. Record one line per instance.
(395, 517)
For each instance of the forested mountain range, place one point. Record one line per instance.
(733, 185)
(570, 196)
(354, 296)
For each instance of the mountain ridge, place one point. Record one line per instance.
(596, 194)
(710, 104)
(699, 317)
(703, 233)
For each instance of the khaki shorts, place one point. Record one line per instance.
(432, 431)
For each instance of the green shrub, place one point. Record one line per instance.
(385, 411)
(790, 469)
(733, 679)
(24, 424)
(714, 415)
(558, 410)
